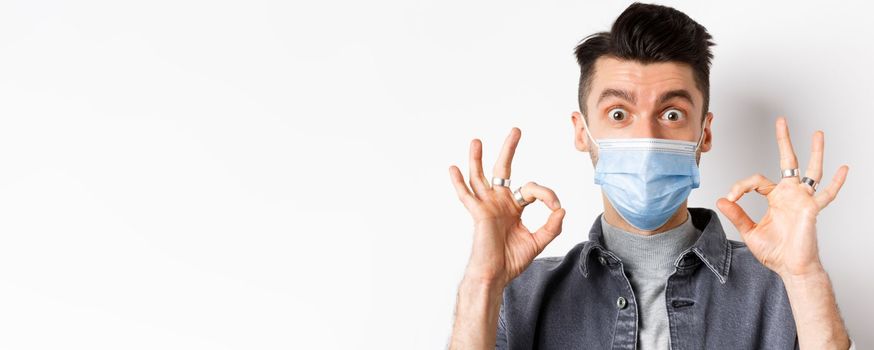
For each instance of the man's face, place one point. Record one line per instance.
(628, 99)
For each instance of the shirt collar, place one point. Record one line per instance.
(712, 247)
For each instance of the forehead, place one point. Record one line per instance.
(644, 80)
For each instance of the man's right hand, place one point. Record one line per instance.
(502, 246)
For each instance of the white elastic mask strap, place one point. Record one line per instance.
(702, 134)
(590, 135)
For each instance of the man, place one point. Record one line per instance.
(654, 274)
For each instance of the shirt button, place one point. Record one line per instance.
(621, 302)
(602, 260)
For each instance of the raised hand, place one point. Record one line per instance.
(784, 239)
(502, 246)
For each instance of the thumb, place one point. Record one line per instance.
(550, 229)
(736, 215)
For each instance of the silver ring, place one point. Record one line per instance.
(500, 182)
(519, 199)
(789, 172)
(809, 182)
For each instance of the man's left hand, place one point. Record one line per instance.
(784, 240)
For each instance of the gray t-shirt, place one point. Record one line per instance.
(648, 261)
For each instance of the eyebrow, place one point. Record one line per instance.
(679, 93)
(665, 97)
(610, 92)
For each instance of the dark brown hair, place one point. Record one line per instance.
(649, 33)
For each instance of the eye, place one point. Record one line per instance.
(673, 115)
(617, 114)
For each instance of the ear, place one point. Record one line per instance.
(707, 143)
(581, 142)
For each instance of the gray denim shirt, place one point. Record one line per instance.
(718, 297)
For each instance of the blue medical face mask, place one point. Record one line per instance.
(646, 179)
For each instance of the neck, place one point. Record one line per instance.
(613, 218)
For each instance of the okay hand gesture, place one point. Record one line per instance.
(784, 240)
(502, 246)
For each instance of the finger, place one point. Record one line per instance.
(532, 191)
(461, 189)
(550, 229)
(505, 159)
(756, 182)
(787, 154)
(814, 167)
(478, 181)
(736, 215)
(828, 195)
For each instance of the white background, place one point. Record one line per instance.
(274, 175)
